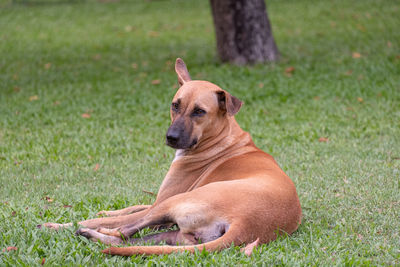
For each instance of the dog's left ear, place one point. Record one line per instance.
(228, 103)
(181, 71)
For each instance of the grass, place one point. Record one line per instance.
(59, 60)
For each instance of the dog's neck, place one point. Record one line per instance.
(229, 138)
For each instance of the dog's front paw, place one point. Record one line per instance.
(55, 226)
(85, 232)
(111, 232)
(93, 235)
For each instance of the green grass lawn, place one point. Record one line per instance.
(112, 62)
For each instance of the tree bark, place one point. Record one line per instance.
(243, 31)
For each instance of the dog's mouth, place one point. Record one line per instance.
(181, 145)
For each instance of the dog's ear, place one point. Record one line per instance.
(181, 71)
(228, 103)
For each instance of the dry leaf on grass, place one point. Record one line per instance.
(155, 82)
(153, 34)
(128, 28)
(86, 115)
(11, 248)
(47, 66)
(33, 98)
(356, 55)
(148, 192)
(348, 73)
(359, 99)
(290, 70)
(49, 199)
(96, 167)
(323, 139)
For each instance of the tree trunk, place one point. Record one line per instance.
(243, 31)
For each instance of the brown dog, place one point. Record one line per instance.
(220, 188)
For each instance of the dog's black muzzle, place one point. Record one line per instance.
(178, 137)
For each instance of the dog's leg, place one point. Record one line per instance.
(126, 211)
(107, 222)
(172, 238)
(96, 236)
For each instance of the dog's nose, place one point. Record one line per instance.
(172, 137)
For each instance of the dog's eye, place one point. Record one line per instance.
(198, 112)
(175, 106)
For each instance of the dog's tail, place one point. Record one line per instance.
(231, 236)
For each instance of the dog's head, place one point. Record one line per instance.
(199, 110)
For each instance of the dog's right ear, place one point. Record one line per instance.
(181, 71)
(228, 103)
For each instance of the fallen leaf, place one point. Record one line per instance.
(47, 66)
(169, 63)
(155, 82)
(323, 139)
(389, 44)
(289, 70)
(260, 85)
(49, 199)
(316, 98)
(16, 89)
(86, 115)
(361, 27)
(348, 73)
(359, 99)
(148, 192)
(43, 261)
(153, 34)
(33, 98)
(96, 167)
(67, 206)
(398, 57)
(14, 213)
(248, 249)
(97, 57)
(356, 55)
(128, 28)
